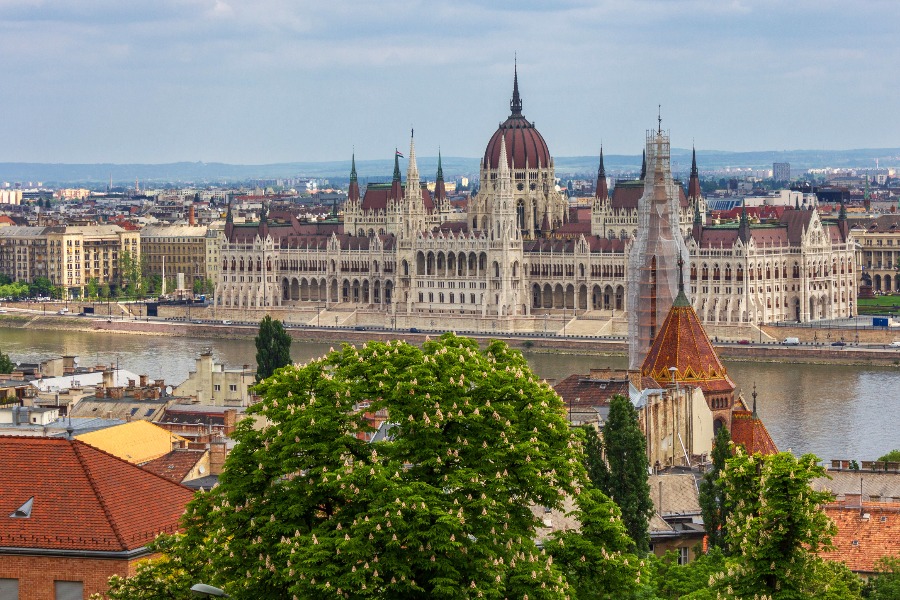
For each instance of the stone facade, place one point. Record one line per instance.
(520, 260)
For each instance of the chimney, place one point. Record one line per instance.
(116, 393)
(229, 418)
(143, 379)
(216, 456)
(191, 219)
(108, 381)
(131, 383)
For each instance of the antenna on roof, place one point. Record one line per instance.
(659, 118)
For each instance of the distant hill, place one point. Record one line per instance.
(380, 170)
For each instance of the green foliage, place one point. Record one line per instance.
(92, 288)
(204, 286)
(273, 348)
(775, 530)
(690, 580)
(712, 494)
(6, 365)
(41, 286)
(14, 290)
(626, 455)
(153, 284)
(892, 456)
(596, 561)
(5, 279)
(104, 290)
(130, 280)
(438, 509)
(168, 576)
(595, 458)
(885, 585)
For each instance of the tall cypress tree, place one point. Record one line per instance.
(712, 494)
(273, 348)
(594, 459)
(626, 454)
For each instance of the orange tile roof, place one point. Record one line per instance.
(859, 541)
(682, 343)
(84, 498)
(176, 465)
(751, 433)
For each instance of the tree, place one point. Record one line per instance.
(92, 288)
(885, 585)
(6, 365)
(130, 280)
(41, 286)
(892, 456)
(776, 530)
(595, 458)
(626, 455)
(712, 494)
(596, 560)
(273, 348)
(438, 505)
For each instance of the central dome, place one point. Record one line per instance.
(524, 144)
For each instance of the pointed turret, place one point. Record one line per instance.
(440, 192)
(602, 189)
(353, 190)
(744, 226)
(694, 182)
(697, 230)
(843, 226)
(412, 169)
(644, 165)
(515, 105)
(396, 185)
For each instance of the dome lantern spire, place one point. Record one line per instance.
(515, 105)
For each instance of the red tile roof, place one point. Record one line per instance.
(751, 433)
(627, 193)
(859, 541)
(84, 498)
(176, 465)
(682, 343)
(377, 196)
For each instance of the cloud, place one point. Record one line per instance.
(279, 80)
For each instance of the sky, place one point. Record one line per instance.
(267, 81)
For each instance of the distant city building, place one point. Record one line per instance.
(187, 249)
(879, 241)
(69, 256)
(781, 171)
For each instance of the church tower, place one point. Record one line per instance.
(656, 251)
(413, 204)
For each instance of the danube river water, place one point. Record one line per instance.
(833, 411)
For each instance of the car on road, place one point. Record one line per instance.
(791, 341)
(839, 343)
(226, 322)
(895, 344)
(744, 342)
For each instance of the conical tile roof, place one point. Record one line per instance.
(682, 343)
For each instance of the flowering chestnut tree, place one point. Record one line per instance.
(437, 505)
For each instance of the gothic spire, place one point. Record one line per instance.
(440, 192)
(744, 226)
(515, 105)
(644, 165)
(755, 416)
(601, 189)
(396, 165)
(694, 182)
(353, 189)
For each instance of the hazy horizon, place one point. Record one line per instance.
(275, 81)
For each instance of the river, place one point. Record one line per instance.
(833, 411)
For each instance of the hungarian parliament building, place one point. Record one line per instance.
(521, 259)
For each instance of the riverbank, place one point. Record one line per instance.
(808, 353)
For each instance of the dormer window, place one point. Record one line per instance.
(24, 511)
